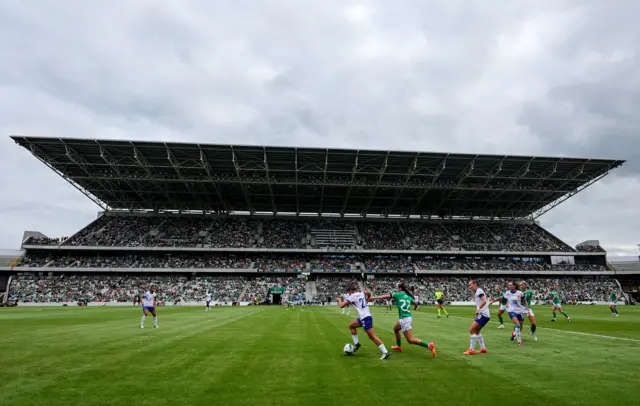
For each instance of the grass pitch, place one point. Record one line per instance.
(271, 356)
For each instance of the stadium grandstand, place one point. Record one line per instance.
(261, 224)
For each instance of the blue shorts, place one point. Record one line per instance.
(516, 315)
(482, 320)
(149, 308)
(208, 303)
(366, 323)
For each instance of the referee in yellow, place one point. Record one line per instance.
(440, 303)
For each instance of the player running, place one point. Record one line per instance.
(387, 304)
(515, 299)
(482, 318)
(440, 302)
(149, 306)
(208, 300)
(360, 300)
(345, 310)
(503, 306)
(404, 299)
(528, 312)
(416, 299)
(613, 304)
(557, 305)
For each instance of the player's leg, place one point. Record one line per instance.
(408, 335)
(500, 312)
(439, 309)
(534, 324)
(155, 317)
(354, 334)
(473, 335)
(615, 309)
(517, 321)
(446, 313)
(368, 328)
(145, 312)
(561, 310)
(396, 332)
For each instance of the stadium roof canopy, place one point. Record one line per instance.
(135, 175)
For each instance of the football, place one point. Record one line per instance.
(348, 349)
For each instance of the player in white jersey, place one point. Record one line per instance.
(515, 301)
(482, 318)
(208, 299)
(346, 309)
(149, 306)
(359, 300)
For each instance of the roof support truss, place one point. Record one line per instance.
(236, 165)
(268, 175)
(176, 167)
(297, 193)
(324, 181)
(495, 171)
(142, 162)
(413, 168)
(205, 164)
(381, 173)
(520, 173)
(354, 171)
(113, 164)
(543, 177)
(441, 167)
(462, 176)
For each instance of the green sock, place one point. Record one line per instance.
(423, 344)
(501, 321)
(533, 328)
(399, 343)
(612, 310)
(554, 315)
(565, 314)
(616, 309)
(438, 312)
(445, 311)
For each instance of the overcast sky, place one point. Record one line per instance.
(546, 77)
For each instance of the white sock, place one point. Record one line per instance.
(518, 335)
(143, 319)
(474, 338)
(155, 320)
(481, 341)
(382, 348)
(355, 339)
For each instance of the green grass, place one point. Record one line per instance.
(271, 356)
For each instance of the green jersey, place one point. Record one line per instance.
(403, 302)
(555, 297)
(504, 300)
(528, 296)
(613, 296)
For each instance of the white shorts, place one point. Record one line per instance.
(558, 305)
(503, 307)
(406, 323)
(613, 304)
(528, 313)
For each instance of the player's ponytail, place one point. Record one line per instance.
(402, 286)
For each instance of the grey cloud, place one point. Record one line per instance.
(541, 78)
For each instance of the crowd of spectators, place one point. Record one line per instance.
(238, 232)
(44, 241)
(499, 264)
(257, 288)
(331, 286)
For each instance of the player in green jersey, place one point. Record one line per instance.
(557, 305)
(528, 297)
(503, 306)
(613, 305)
(440, 303)
(403, 299)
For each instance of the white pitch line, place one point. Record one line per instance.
(565, 331)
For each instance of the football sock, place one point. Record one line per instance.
(518, 335)
(565, 314)
(399, 343)
(554, 315)
(155, 320)
(481, 341)
(438, 311)
(533, 328)
(423, 344)
(612, 310)
(616, 309)
(143, 319)
(355, 339)
(445, 311)
(501, 320)
(382, 348)
(474, 338)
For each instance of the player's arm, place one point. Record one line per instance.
(381, 297)
(343, 303)
(496, 299)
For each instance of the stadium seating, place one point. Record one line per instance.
(239, 232)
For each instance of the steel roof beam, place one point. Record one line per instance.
(495, 171)
(381, 173)
(176, 167)
(545, 176)
(111, 161)
(207, 168)
(324, 180)
(297, 193)
(573, 175)
(413, 168)
(462, 176)
(268, 174)
(441, 168)
(236, 165)
(354, 170)
(520, 173)
(144, 164)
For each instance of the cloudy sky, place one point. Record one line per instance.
(553, 77)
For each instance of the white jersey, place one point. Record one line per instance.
(208, 297)
(359, 301)
(484, 310)
(514, 301)
(148, 298)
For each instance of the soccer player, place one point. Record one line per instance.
(208, 299)
(515, 298)
(345, 310)
(404, 298)
(557, 305)
(416, 299)
(149, 306)
(613, 305)
(440, 302)
(482, 318)
(503, 306)
(360, 300)
(528, 312)
(387, 303)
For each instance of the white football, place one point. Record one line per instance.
(348, 349)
